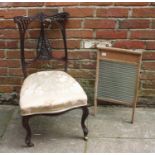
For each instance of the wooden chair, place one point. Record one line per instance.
(47, 92)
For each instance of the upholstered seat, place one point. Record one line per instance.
(50, 92)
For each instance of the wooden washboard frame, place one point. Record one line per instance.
(115, 62)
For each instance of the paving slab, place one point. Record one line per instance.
(115, 123)
(5, 116)
(50, 134)
(110, 131)
(121, 145)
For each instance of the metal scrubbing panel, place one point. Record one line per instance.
(117, 81)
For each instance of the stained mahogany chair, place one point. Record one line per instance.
(47, 92)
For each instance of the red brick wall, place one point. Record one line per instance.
(128, 25)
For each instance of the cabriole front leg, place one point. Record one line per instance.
(25, 122)
(83, 119)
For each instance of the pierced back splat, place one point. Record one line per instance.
(43, 45)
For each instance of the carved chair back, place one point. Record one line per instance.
(43, 49)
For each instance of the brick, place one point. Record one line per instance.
(2, 44)
(143, 34)
(32, 70)
(152, 4)
(84, 64)
(19, 4)
(10, 80)
(131, 3)
(11, 44)
(149, 75)
(82, 73)
(88, 64)
(13, 54)
(15, 72)
(44, 64)
(134, 24)
(112, 12)
(148, 66)
(3, 63)
(58, 44)
(150, 45)
(129, 44)
(7, 24)
(153, 24)
(13, 63)
(2, 54)
(87, 82)
(9, 34)
(58, 54)
(91, 44)
(17, 88)
(57, 65)
(28, 4)
(30, 44)
(148, 92)
(3, 71)
(79, 34)
(149, 84)
(30, 54)
(54, 25)
(6, 89)
(96, 3)
(81, 55)
(73, 24)
(105, 24)
(32, 12)
(16, 54)
(5, 4)
(61, 3)
(39, 64)
(148, 56)
(52, 34)
(34, 25)
(146, 101)
(80, 12)
(11, 13)
(111, 34)
(2, 13)
(73, 64)
(10, 63)
(143, 12)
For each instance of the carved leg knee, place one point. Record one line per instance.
(84, 116)
(25, 122)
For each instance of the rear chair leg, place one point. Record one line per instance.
(84, 116)
(25, 122)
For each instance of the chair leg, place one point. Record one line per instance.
(25, 122)
(84, 116)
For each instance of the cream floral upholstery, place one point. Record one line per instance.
(50, 92)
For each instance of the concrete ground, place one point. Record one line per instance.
(109, 131)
